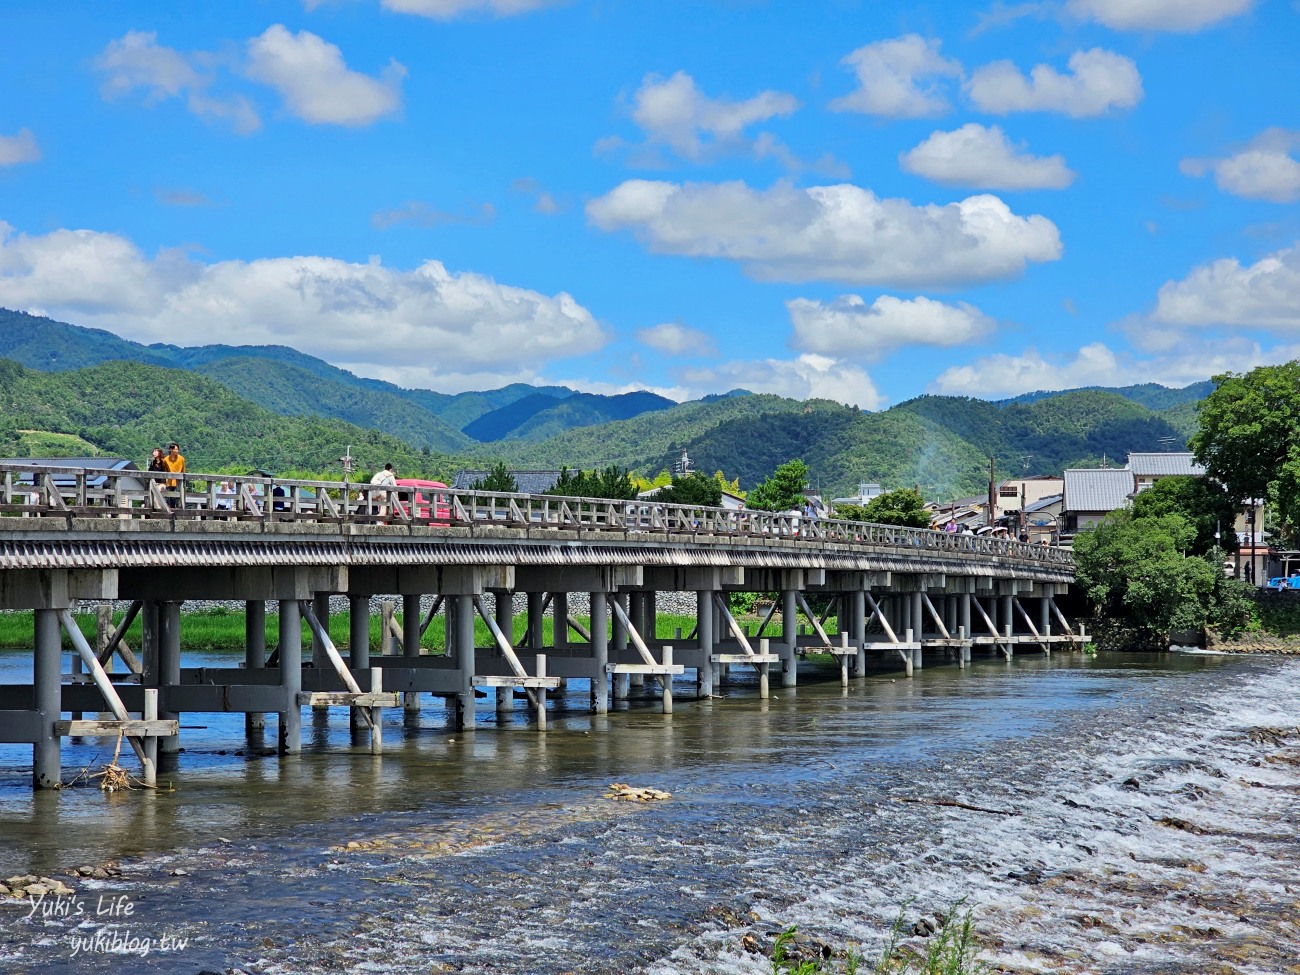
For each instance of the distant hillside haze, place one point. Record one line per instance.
(275, 407)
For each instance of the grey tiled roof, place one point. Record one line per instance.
(1164, 465)
(530, 482)
(1042, 503)
(1097, 489)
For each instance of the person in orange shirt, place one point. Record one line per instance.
(174, 462)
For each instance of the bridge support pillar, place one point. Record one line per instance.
(254, 653)
(859, 632)
(47, 679)
(504, 614)
(622, 683)
(599, 653)
(789, 638)
(963, 622)
(411, 641)
(358, 649)
(460, 633)
(1045, 623)
(642, 616)
(290, 676)
(169, 667)
(917, 614)
(560, 619)
(320, 606)
(704, 617)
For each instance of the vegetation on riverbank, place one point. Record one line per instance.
(221, 630)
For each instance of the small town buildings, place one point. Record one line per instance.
(1091, 493)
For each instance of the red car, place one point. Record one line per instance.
(431, 500)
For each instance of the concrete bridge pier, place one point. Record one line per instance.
(642, 610)
(411, 642)
(622, 681)
(290, 648)
(705, 641)
(358, 648)
(916, 613)
(858, 634)
(789, 636)
(47, 680)
(169, 669)
(504, 614)
(254, 655)
(599, 653)
(560, 620)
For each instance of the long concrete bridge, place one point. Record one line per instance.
(74, 538)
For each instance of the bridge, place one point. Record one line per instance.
(72, 539)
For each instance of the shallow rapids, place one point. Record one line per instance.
(1133, 814)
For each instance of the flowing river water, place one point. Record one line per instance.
(1136, 814)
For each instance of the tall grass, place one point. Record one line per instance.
(951, 950)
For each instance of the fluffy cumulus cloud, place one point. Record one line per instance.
(449, 9)
(316, 83)
(1264, 169)
(899, 78)
(831, 233)
(1265, 294)
(1098, 365)
(20, 148)
(984, 158)
(1098, 81)
(850, 327)
(810, 376)
(671, 338)
(137, 61)
(1164, 15)
(378, 320)
(675, 113)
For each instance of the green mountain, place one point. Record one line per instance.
(1151, 395)
(290, 382)
(127, 408)
(538, 417)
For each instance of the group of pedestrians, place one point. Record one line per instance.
(170, 461)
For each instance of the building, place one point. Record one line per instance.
(1149, 468)
(1089, 494)
(530, 482)
(1016, 493)
(866, 491)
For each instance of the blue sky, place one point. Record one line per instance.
(855, 199)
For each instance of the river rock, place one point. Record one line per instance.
(924, 927)
(1133, 785)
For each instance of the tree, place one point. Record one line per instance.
(1135, 573)
(782, 491)
(903, 507)
(695, 489)
(613, 482)
(498, 478)
(1203, 503)
(1249, 436)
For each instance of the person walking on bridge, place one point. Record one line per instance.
(387, 479)
(174, 462)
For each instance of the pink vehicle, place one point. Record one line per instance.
(430, 500)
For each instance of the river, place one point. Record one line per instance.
(1136, 814)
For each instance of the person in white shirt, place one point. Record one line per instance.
(387, 478)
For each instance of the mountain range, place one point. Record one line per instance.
(275, 407)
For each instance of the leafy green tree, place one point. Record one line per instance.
(696, 489)
(499, 478)
(903, 507)
(784, 490)
(1249, 436)
(1203, 503)
(1134, 572)
(613, 482)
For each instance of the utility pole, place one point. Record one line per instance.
(993, 509)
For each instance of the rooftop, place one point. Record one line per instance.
(1164, 465)
(1097, 488)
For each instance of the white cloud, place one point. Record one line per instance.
(891, 76)
(849, 327)
(674, 339)
(368, 315)
(810, 376)
(315, 82)
(1170, 15)
(1098, 82)
(1264, 295)
(984, 158)
(831, 233)
(994, 376)
(449, 9)
(138, 61)
(423, 214)
(20, 148)
(674, 112)
(1264, 169)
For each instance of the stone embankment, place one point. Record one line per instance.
(1253, 643)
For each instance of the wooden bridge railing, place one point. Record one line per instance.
(37, 491)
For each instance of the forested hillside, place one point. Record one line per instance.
(126, 409)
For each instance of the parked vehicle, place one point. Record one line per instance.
(431, 502)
